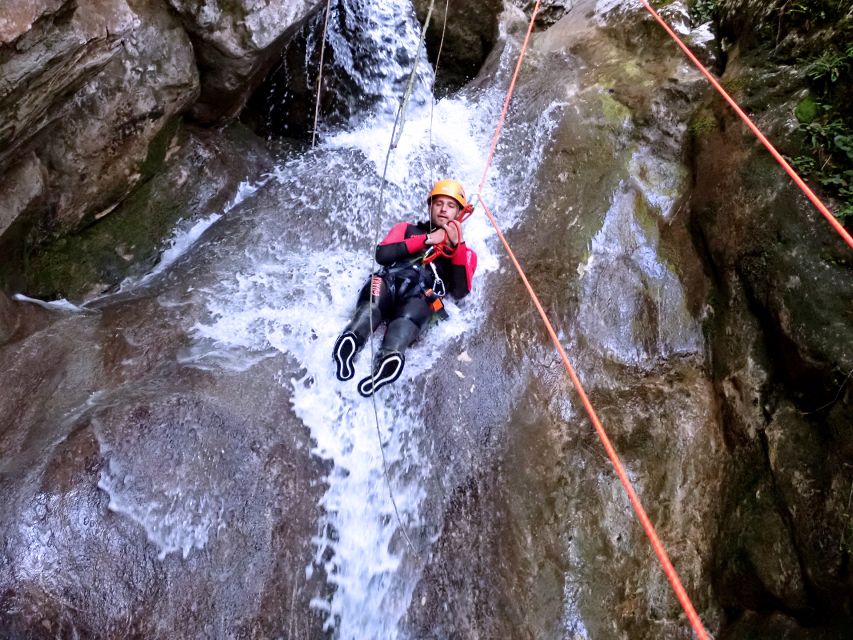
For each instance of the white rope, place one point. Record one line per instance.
(320, 75)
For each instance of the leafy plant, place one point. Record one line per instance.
(705, 11)
(831, 64)
(830, 140)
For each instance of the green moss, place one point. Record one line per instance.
(702, 125)
(735, 85)
(806, 111)
(157, 149)
(614, 111)
(632, 70)
(105, 252)
(645, 217)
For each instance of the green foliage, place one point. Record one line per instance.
(818, 10)
(831, 65)
(705, 10)
(702, 125)
(825, 117)
(830, 140)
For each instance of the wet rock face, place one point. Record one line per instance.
(198, 176)
(781, 337)
(470, 31)
(8, 318)
(536, 510)
(173, 499)
(91, 92)
(782, 29)
(74, 141)
(361, 71)
(284, 103)
(234, 44)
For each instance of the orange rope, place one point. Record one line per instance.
(648, 527)
(509, 91)
(749, 123)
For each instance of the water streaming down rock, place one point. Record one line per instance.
(191, 468)
(360, 544)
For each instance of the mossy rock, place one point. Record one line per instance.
(195, 173)
(806, 110)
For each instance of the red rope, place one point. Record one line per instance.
(648, 527)
(749, 123)
(509, 91)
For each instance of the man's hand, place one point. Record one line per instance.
(453, 233)
(436, 237)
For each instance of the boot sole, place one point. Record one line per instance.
(389, 370)
(345, 350)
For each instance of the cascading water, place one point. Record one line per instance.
(374, 46)
(292, 287)
(188, 398)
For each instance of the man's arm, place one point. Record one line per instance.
(462, 267)
(397, 247)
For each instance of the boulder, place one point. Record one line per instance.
(74, 139)
(235, 43)
(200, 174)
(469, 32)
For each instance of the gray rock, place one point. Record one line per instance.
(470, 31)
(67, 103)
(8, 318)
(235, 43)
(199, 174)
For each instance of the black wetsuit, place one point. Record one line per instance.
(401, 288)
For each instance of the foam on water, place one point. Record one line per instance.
(54, 305)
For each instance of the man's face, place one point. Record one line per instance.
(442, 210)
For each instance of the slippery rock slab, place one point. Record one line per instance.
(157, 500)
(67, 104)
(535, 510)
(234, 43)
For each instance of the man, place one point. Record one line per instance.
(406, 293)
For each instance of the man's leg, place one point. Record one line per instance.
(358, 330)
(401, 332)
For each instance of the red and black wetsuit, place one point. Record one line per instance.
(399, 288)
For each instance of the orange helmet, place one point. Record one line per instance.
(450, 188)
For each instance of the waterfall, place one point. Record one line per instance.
(295, 285)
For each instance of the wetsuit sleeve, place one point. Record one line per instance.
(462, 265)
(397, 247)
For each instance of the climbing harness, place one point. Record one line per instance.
(320, 74)
(648, 527)
(824, 210)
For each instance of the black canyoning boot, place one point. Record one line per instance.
(388, 368)
(344, 353)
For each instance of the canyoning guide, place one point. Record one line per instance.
(421, 263)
